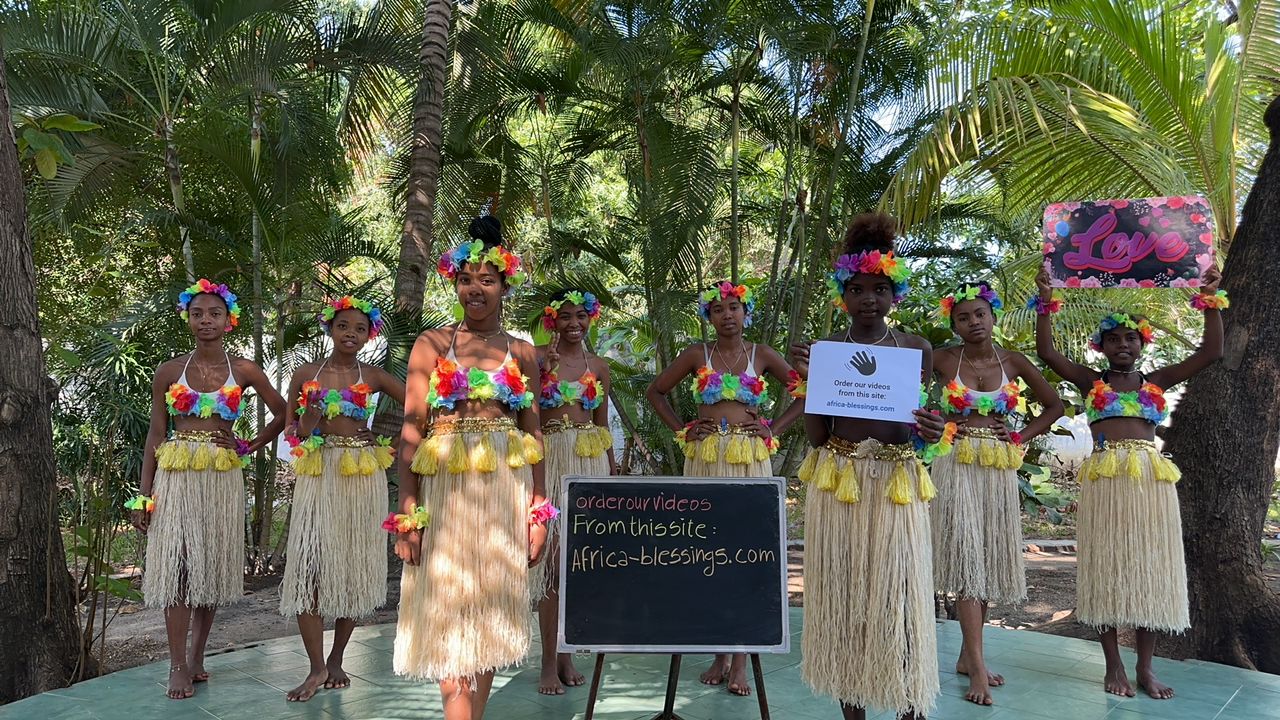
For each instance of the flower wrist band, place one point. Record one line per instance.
(142, 502)
(1217, 301)
(542, 513)
(797, 387)
(1044, 307)
(407, 522)
(1015, 437)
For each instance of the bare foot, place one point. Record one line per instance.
(569, 674)
(1117, 682)
(979, 691)
(198, 674)
(549, 682)
(337, 678)
(993, 679)
(738, 684)
(180, 687)
(717, 673)
(1156, 689)
(309, 687)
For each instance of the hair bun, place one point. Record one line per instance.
(870, 231)
(487, 229)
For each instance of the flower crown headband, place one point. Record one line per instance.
(573, 297)
(968, 291)
(347, 302)
(204, 286)
(1115, 320)
(723, 291)
(473, 251)
(870, 262)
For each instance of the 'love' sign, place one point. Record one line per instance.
(1147, 242)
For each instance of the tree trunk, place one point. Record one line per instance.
(173, 173)
(418, 236)
(1224, 436)
(262, 476)
(39, 641)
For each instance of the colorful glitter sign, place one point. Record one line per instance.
(1142, 243)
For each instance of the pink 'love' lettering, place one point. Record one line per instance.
(1112, 252)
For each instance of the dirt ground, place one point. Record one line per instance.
(136, 635)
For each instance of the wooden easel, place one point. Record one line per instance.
(673, 677)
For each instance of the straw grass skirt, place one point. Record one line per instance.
(464, 609)
(976, 520)
(337, 561)
(869, 636)
(732, 452)
(195, 544)
(1132, 572)
(572, 448)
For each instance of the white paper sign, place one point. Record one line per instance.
(874, 382)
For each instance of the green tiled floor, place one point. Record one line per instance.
(1049, 678)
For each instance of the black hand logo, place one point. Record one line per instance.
(863, 361)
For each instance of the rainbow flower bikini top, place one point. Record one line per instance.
(451, 382)
(960, 399)
(587, 390)
(353, 401)
(711, 387)
(1104, 402)
(182, 399)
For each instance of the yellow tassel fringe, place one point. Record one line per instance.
(807, 467)
(899, 491)
(847, 487)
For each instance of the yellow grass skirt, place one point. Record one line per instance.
(1132, 572)
(732, 452)
(976, 519)
(337, 561)
(195, 544)
(464, 609)
(869, 636)
(572, 448)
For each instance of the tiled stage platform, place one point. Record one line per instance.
(1048, 678)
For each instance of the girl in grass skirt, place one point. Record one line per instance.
(191, 504)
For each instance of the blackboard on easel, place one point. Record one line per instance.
(673, 565)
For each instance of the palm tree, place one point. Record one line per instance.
(37, 588)
(1089, 99)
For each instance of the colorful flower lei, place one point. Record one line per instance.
(542, 513)
(870, 262)
(1217, 301)
(975, 291)
(204, 285)
(407, 522)
(474, 252)
(1115, 320)
(1037, 303)
(146, 503)
(585, 299)
(723, 291)
(347, 302)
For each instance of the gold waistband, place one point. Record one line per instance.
(978, 433)
(870, 449)
(1131, 444)
(193, 435)
(471, 425)
(345, 441)
(735, 430)
(560, 425)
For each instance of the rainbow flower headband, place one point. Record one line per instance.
(980, 291)
(588, 302)
(723, 291)
(870, 262)
(347, 302)
(507, 262)
(205, 286)
(1115, 320)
